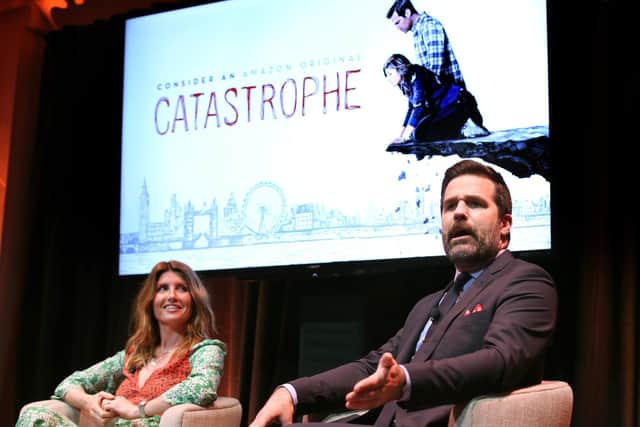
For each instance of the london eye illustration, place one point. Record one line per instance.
(264, 209)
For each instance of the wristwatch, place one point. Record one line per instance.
(141, 409)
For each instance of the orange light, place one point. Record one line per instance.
(46, 7)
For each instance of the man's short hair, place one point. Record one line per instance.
(471, 167)
(399, 6)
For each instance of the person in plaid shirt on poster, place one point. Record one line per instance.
(432, 45)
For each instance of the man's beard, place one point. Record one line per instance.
(477, 254)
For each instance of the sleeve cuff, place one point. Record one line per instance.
(406, 390)
(292, 392)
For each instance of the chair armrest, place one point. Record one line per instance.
(224, 412)
(548, 404)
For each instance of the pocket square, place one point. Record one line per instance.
(478, 308)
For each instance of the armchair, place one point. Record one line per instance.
(548, 404)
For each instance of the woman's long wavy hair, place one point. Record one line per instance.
(404, 67)
(145, 336)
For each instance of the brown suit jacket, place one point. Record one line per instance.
(493, 340)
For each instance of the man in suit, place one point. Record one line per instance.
(492, 339)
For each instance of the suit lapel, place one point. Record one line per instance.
(413, 329)
(479, 285)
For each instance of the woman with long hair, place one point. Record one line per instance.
(170, 358)
(437, 111)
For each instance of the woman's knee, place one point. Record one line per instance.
(38, 404)
(58, 406)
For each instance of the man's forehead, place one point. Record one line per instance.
(469, 184)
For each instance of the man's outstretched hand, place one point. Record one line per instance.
(279, 409)
(384, 385)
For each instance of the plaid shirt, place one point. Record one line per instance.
(434, 50)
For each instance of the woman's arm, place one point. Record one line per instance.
(103, 376)
(87, 389)
(200, 387)
(124, 408)
(423, 84)
(407, 132)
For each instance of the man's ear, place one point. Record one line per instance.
(407, 13)
(505, 227)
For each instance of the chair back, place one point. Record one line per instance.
(548, 404)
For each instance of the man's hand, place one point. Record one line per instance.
(384, 385)
(279, 408)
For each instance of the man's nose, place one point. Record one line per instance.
(461, 208)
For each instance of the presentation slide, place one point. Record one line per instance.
(255, 132)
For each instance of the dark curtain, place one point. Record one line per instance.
(595, 92)
(75, 309)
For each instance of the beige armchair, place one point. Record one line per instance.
(225, 412)
(548, 404)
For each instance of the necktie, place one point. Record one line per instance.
(453, 293)
(447, 302)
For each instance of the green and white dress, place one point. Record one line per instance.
(193, 378)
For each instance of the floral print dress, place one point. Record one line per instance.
(192, 378)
